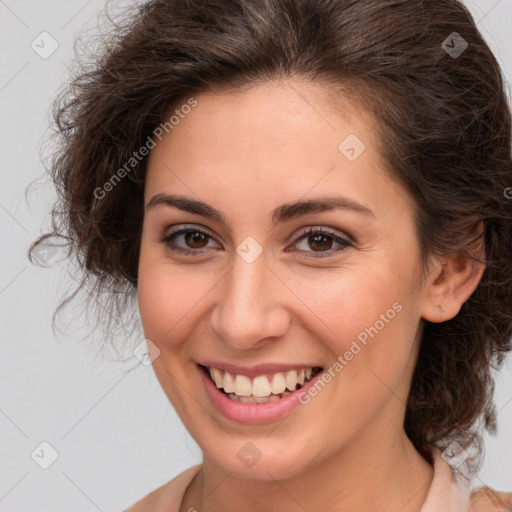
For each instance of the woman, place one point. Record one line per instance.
(309, 200)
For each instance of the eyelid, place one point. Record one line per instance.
(191, 227)
(326, 229)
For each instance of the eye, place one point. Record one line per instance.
(195, 240)
(321, 239)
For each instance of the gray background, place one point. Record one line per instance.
(116, 435)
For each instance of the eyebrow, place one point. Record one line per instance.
(282, 213)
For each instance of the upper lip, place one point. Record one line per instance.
(260, 369)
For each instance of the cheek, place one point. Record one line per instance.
(169, 300)
(363, 318)
(347, 304)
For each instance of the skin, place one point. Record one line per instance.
(245, 153)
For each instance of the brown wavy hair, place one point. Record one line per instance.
(444, 128)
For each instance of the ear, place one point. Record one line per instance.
(451, 283)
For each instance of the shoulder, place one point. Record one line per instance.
(486, 499)
(148, 502)
(168, 496)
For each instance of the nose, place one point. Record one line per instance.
(251, 308)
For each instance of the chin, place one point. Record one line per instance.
(261, 460)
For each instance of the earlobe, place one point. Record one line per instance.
(449, 286)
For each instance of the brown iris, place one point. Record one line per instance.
(195, 237)
(317, 240)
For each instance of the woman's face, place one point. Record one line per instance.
(247, 291)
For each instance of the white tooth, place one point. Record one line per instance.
(278, 383)
(285, 393)
(211, 373)
(300, 377)
(273, 398)
(261, 399)
(234, 397)
(308, 373)
(228, 383)
(260, 386)
(217, 377)
(243, 386)
(291, 380)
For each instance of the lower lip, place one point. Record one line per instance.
(252, 413)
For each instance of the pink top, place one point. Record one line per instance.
(447, 492)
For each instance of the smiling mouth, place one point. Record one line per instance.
(260, 389)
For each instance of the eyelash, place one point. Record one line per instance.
(344, 243)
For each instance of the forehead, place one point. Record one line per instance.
(285, 139)
(275, 120)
